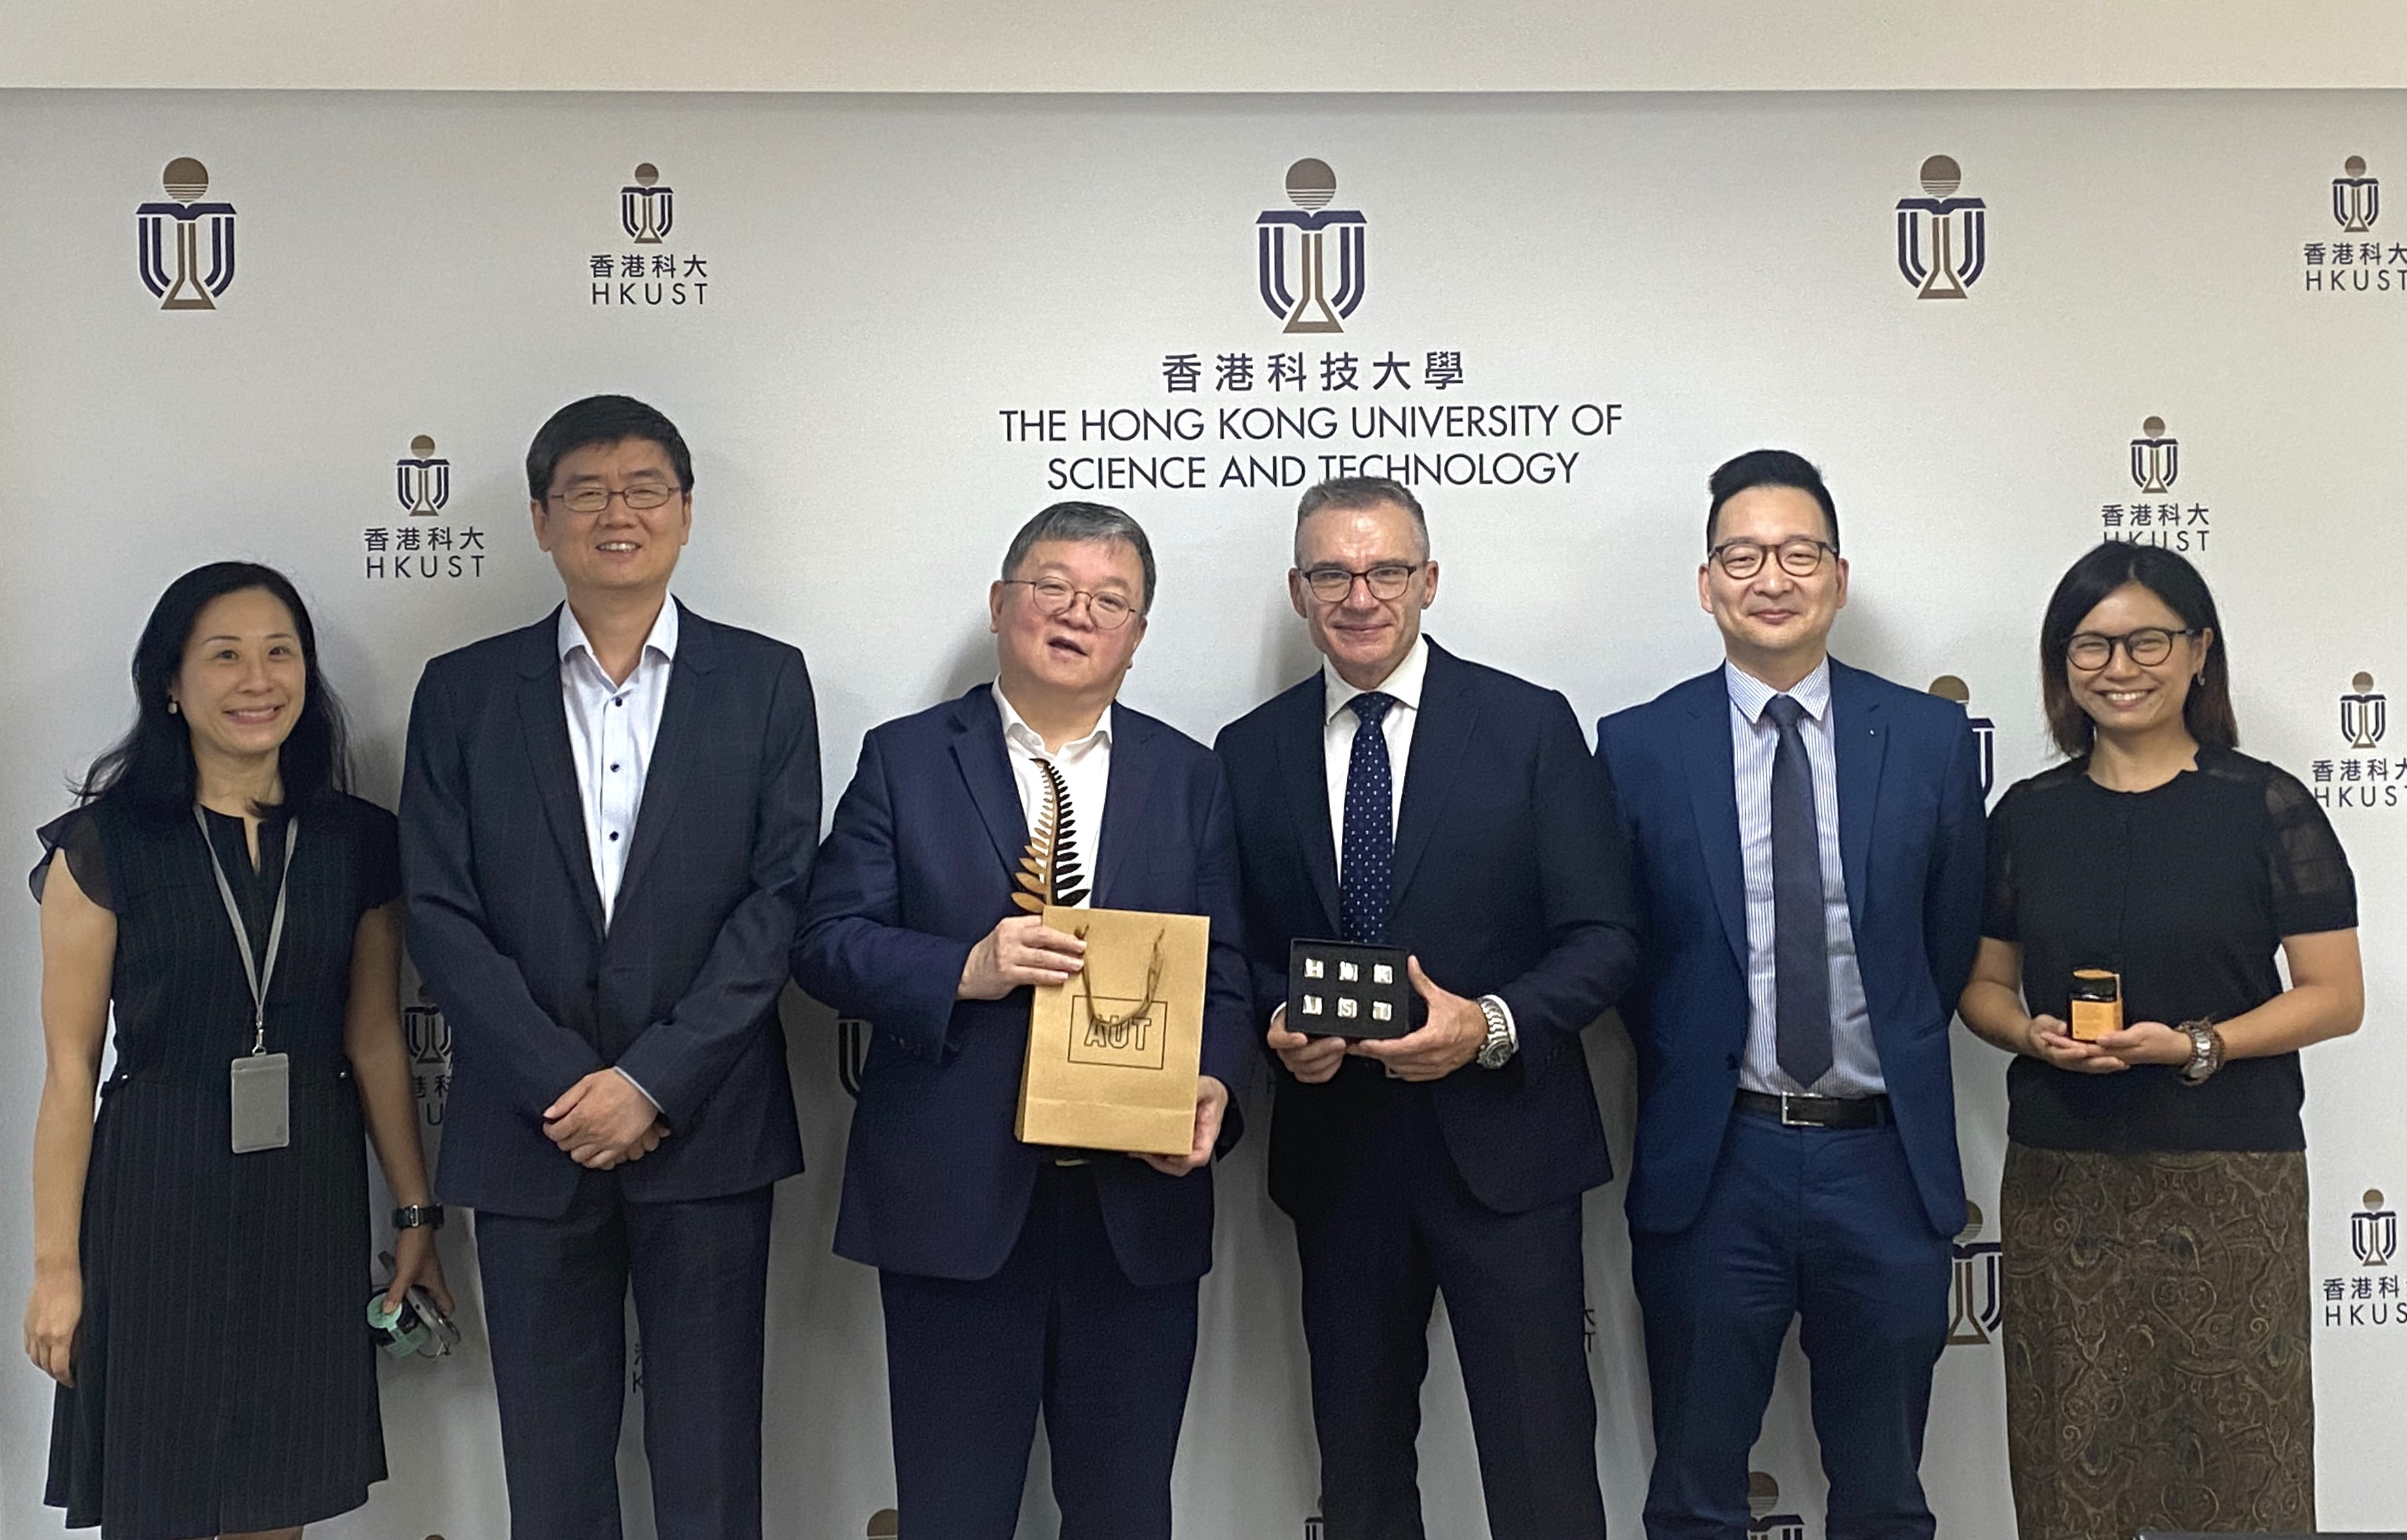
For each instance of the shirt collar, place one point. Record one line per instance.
(1017, 730)
(663, 638)
(1751, 694)
(1403, 682)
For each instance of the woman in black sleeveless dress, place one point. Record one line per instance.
(204, 1310)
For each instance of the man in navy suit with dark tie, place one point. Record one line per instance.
(1018, 1278)
(606, 822)
(1807, 840)
(1403, 796)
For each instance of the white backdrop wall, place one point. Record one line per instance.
(887, 299)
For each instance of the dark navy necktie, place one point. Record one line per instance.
(1366, 867)
(1801, 947)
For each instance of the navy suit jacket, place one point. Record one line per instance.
(681, 990)
(1510, 879)
(918, 868)
(1912, 840)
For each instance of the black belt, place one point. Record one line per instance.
(1794, 1110)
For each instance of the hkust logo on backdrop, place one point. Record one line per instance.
(2359, 776)
(184, 244)
(411, 548)
(1360, 401)
(1947, 687)
(2152, 513)
(1974, 1304)
(1943, 240)
(2368, 1295)
(428, 1038)
(1767, 1516)
(2349, 258)
(646, 273)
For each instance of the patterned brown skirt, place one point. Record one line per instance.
(2157, 1316)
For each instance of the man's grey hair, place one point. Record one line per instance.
(1347, 493)
(1082, 521)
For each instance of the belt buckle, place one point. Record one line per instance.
(1788, 1122)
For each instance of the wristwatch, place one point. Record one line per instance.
(1502, 1040)
(411, 1216)
(2206, 1051)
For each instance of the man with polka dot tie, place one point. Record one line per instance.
(1403, 797)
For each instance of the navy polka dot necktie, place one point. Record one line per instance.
(1800, 944)
(1367, 866)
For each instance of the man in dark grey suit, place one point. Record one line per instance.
(609, 819)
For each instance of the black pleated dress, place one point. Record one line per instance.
(224, 1378)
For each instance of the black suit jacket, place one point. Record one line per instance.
(681, 990)
(915, 872)
(1511, 878)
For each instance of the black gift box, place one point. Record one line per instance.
(1335, 989)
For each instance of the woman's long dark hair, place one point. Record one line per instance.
(2206, 712)
(151, 767)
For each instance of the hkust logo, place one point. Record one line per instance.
(1767, 1516)
(2369, 1295)
(2354, 260)
(183, 268)
(1305, 293)
(1973, 1306)
(2360, 777)
(2156, 465)
(647, 274)
(1942, 241)
(412, 548)
(1947, 687)
(429, 1039)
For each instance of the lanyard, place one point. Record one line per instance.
(257, 973)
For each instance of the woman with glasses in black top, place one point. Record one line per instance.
(2155, 1295)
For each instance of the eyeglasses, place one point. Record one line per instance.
(2147, 646)
(1332, 585)
(642, 497)
(1742, 559)
(1108, 611)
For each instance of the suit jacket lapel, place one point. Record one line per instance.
(978, 750)
(678, 746)
(1447, 719)
(1303, 763)
(542, 718)
(1712, 799)
(1125, 793)
(1860, 737)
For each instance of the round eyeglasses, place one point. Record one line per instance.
(642, 497)
(1331, 585)
(1109, 611)
(2147, 646)
(1742, 559)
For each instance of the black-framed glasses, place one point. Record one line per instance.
(1107, 609)
(2148, 646)
(1742, 559)
(1331, 585)
(643, 497)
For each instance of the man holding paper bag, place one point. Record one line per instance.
(1017, 1276)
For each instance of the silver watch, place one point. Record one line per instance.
(1499, 1045)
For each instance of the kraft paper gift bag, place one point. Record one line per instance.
(1112, 1054)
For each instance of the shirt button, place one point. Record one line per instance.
(614, 837)
(614, 769)
(618, 700)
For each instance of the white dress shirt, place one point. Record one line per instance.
(1339, 722)
(1854, 1066)
(1086, 768)
(611, 729)
(1338, 726)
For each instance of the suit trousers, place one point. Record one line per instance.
(556, 1307)
(1397, 1228)
(1824, 1226)
(1058, 1329)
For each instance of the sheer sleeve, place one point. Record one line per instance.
(77, 834)
(2311, 885)
(1998, 903)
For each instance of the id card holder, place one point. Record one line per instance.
(261, 1090)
